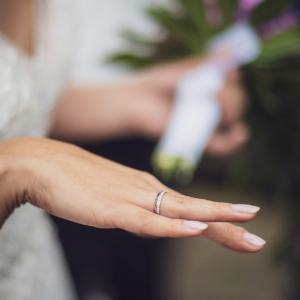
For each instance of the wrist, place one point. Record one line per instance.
(11, 182)
(6, 202)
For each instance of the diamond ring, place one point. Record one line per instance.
(158, 201)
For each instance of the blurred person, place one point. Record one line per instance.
(36, 45)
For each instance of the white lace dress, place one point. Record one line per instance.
(31, 261)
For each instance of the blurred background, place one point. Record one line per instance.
(115, 265)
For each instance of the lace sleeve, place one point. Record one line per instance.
(18, 99)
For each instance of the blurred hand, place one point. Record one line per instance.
(76, 185)
(153, 109)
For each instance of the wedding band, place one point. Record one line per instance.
(158, 201)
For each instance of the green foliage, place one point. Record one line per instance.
(185, 32)
(268, 10)
(284, 45)
(228, 9)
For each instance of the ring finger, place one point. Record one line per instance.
(177, 206)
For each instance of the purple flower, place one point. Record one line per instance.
(245, 9)
(249, 4)
(213, 13)
(278, 25)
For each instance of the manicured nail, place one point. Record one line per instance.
(244, 208)
(195, 225)
(253, 240)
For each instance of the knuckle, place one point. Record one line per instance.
(180, 206)
(227, 238)
(181, 200)
(149, 177)
(229, 229)
(213, 210)
(145, 174)
(132, 180)
(217, 210)
(145, 220)
(136, 181)
(170, 228)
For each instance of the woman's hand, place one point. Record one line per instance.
(162, 82)
(76, 185)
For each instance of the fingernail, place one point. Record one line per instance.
(244, 208)
(253, 240)
(195, 225)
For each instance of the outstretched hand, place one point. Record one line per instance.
(76, 185)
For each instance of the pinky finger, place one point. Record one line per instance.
(234, 237)
(141, 221)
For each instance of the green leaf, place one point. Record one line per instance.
(180, 28)
(268, 10)
(228, 9)
(195, 10)
(138, 38)
(130, 60)
(279, 47)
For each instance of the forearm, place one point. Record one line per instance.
(86, 114)
(4, 208)
(12, 180)
(141, 108)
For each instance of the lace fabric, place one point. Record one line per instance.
(31, 260)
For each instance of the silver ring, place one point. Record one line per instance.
(158, 201)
